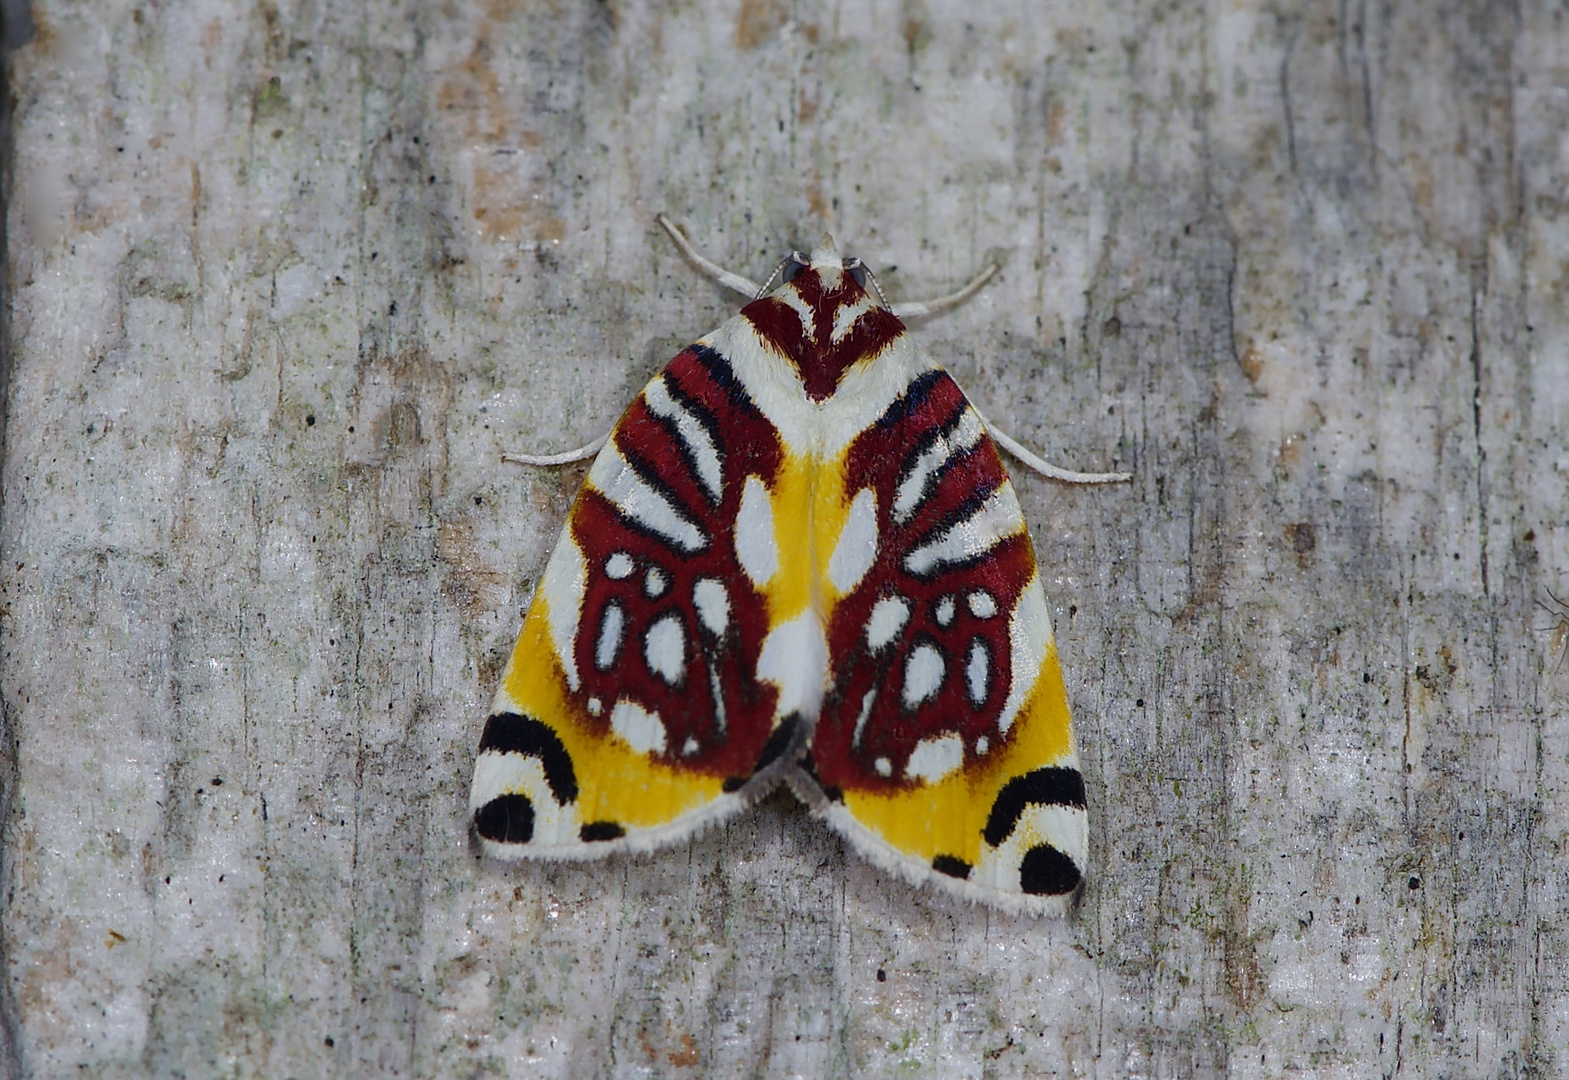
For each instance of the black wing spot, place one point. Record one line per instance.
(951, 865)
(509, 733)
(506, 819)
(733, 784)
(1043, 787)
(601, 830)
(1045, 871)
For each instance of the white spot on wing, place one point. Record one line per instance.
(690, 747)
(933, 759)
(860, 721)
(982, 745)
(614, 477)
(642, 730)
(923, 672)
(886, 620)
(998, 518)
(719, 697)
(912, 486)
(618, 565)
(982, 604)
(611, 625)
(595, 706)
(697, 439)
(794, 658)
(664, 647)
(856, 548)
(945, 610)
(883, 766)
(655, 583)
(713, 604)
(755, 545)
(977, 673)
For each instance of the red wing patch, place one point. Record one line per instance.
(944, 749)
(921, 648)
(669, 623)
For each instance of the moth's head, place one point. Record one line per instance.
(832, 270)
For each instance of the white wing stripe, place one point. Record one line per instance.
(614, 477)
(694, 435)
(913, 484)
(1029, 633)
(998, 518)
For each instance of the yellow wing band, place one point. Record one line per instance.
(946, 818)
(615, 782)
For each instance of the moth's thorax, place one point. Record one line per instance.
(824, 323)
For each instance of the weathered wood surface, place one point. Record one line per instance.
(286, 278)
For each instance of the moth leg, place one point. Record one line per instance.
(916, 308)
(1045, 468)
(582, 453)
(734, 282)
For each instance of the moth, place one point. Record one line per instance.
(796, 558)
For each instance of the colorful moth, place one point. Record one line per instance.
(796, 557)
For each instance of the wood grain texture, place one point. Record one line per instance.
(286, 279)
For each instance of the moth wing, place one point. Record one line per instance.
(944, 749)
(628, 714)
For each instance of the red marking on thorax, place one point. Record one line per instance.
(820, 360)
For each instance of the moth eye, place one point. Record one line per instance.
(793, 266)
(857, 271)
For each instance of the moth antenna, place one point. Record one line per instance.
(778, 270)
(731, 281)
(582, 453)
(917, 308)
(876, 286)
(1046, 468)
